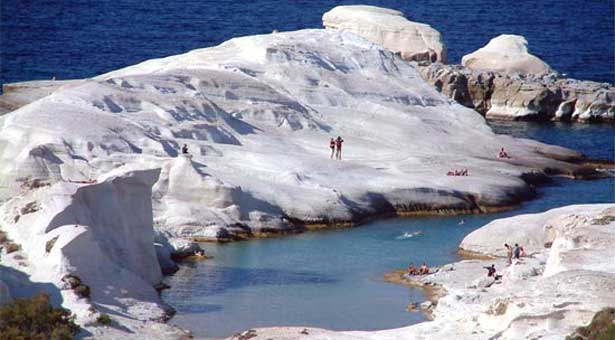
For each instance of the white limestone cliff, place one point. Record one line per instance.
(507, 54)
(98, 235)
(257, 113)
(389, 28)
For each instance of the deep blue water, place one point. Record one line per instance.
(327, 279)
(333, 279)
(82, 38)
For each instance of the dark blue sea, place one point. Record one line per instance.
(330, 279)
(82, 38)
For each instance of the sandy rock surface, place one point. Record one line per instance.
(389, 28)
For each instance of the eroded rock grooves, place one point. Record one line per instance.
(256, 114)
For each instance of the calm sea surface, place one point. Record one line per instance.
(83, 38)
(327, 279)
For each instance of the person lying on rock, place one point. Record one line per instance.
(412, 269)
(423, 269)
(503, 154)
(462, 172)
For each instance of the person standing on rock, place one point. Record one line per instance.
(516, 251)
(338, 145)
(332, 147)
(509, 253)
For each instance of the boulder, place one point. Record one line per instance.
(532, 231)
(506, 54)
(498, 95)
(389, 28)
(167, 265)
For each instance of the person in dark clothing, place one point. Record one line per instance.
(332, 147)
(516, 251)
(185, 149)
(338, 145)
(490, 271)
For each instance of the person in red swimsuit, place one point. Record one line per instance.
(338, 145)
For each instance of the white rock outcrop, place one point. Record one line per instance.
(507, 54)
(389, 28)
(256, 114)
(98, 235)
(534, 299)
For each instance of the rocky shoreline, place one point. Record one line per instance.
(95, 192)
(567, 278)
(530, 98)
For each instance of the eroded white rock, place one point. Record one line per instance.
(257, 114)
(97, 234)
(389, 28)
(508, 54)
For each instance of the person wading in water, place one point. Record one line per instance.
(338, 145)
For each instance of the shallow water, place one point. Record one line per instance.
(333, 279)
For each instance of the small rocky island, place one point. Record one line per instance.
(97, 202)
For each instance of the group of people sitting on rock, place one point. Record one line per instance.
(336, 147)
(423, 269)
(462, 172)
(503, 154)
(514, 252)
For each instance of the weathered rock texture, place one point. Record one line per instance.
(257, 114)
(506, 54)
(514, 97)
(91, 246)
(389, 28)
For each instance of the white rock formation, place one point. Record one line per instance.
(535, 298)
(101, 233)
(389, 28)
(507, 54)
(257, 114)
(533, 231)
